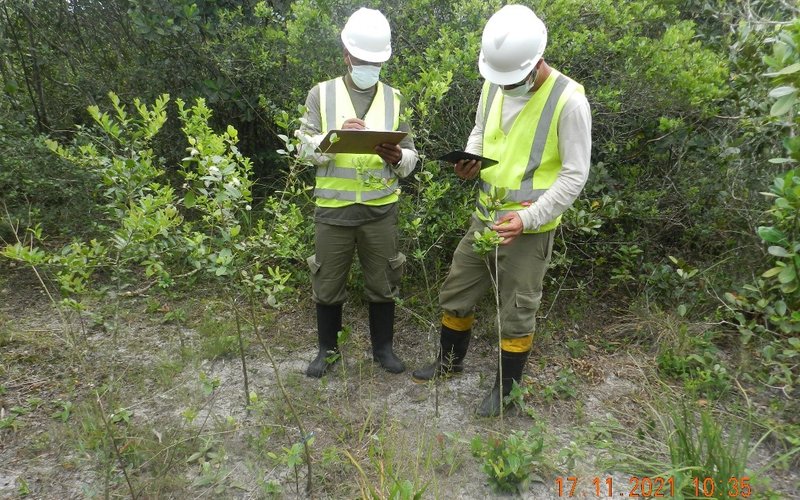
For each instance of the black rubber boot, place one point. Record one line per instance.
(452, 350)
(381, 331)
(329, 323)
(513, 365)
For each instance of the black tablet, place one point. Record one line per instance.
(455, 156)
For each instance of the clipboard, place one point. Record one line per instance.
(358, 141)
(455, 156)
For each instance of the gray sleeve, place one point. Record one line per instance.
(312, 121)
(309, 133)
(409, 160)
(574, 146)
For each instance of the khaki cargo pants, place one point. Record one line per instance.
(521, 267)
(382, 264)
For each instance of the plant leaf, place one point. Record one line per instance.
(783, 105)
(778, 251)
(189, 200)
(788, 70)
(782, 91)
(787, 275)
(780, 160)
(770, 234)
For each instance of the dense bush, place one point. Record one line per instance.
(682, 134)
(37, 187)
(769, 308)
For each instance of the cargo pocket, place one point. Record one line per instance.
(313, 265)
(529, 300)
(396, 266)
(527, 304)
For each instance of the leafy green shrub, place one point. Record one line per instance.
(510, 462)
(776, 297)
(146, 225)
(563, 387)
(36, 187)
(694, 360)
(435, 208)
(140, 210)
(784, 240)
(769, 308)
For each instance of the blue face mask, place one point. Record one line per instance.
(365, 75)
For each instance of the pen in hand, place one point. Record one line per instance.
(354, 124)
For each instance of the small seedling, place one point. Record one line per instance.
(209, 384)
(518, 396)
(9, 422)
(449, 444)
(121, 415)
(509, 462)
(271, 488)
(65, 412)
(577, 348)
(23, 489)
(563, 387)
(342, 337)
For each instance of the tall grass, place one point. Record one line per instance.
(701, 451)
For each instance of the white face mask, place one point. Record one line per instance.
(365, 75)
(521, 90)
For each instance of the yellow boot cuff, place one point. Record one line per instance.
(519, 344)
(457, 324)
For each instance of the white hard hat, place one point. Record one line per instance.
(513, 42)
(367, 36)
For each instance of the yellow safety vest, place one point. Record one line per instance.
(356, 178)
(529, 163)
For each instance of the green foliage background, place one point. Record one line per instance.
(691, 101)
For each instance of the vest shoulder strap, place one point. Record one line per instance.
(327, 103)
(487, 95)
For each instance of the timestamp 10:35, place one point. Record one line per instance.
(655, 487)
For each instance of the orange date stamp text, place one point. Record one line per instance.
(651, 487)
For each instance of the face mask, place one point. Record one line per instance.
(521, 90)
(365, 75)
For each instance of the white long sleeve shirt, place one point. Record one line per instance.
(574, 146)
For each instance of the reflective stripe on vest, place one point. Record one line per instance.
(356, 178)
(543, 159)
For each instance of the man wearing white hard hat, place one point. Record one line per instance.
(356, 194)
(536, 122)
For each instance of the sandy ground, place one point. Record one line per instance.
(368, 426)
